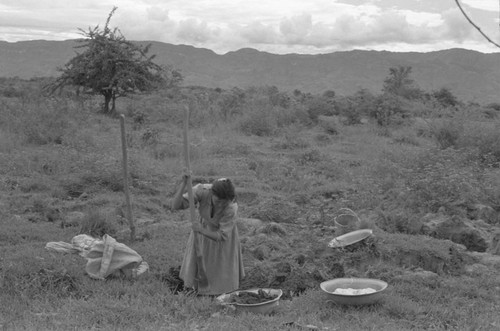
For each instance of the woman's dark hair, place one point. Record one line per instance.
(223, 188)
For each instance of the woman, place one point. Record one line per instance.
(217, 237)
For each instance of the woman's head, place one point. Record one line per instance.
(223, 189)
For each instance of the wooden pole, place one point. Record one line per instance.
(201, 275)
(125, 179)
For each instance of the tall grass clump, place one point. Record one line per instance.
(447, 133)
(96, 223)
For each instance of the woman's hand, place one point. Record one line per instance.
(197, 227)
(185, 175)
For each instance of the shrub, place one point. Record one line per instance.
(229, 103)
(319, 106)
(297, 115)
(350, 109)
(447, 133)
(389, 109)
(445, 97)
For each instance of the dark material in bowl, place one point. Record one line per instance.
(267, 307)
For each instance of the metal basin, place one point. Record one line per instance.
(330, 286)
(266, 307)
(350, 238)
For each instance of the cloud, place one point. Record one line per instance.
(312, 26)
(156, 13)
(356, 29)
(455, 26)
(258, 33)
(487, 5)
(296, 29)
(192, 30)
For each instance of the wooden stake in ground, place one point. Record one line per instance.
(201, 276)
(125, 179)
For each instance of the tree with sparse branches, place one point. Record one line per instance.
(113, 67)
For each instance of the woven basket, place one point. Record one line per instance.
(346, 221)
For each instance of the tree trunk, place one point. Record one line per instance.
(107, 99)
(113, 104)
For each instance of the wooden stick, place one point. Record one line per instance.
(125, 179)
(201, 276)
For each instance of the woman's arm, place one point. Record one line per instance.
(214, 235)
(178, 200)
(226, 223)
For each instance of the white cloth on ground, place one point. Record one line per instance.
(104, 256)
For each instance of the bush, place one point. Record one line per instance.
(445, 97)
(319, 106)
(389, 109)
(447, 133)
(292, 116)
(351, 109)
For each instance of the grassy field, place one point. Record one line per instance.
(61, 175)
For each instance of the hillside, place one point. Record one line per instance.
(427, 192)
(470, 75)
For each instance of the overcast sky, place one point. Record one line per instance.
(275, 26)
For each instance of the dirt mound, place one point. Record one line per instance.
(456, 229)
(427, 253)
(295, 265)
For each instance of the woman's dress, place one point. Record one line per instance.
(222, 258)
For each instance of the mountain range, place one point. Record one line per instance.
(471, 76)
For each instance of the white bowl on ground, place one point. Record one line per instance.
(330, 286)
